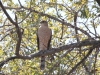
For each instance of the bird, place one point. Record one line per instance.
(44, 35)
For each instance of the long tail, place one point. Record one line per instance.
(42, 65)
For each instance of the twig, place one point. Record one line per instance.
(20, 3)
(95, 60)
(75, 24)
(58, 61)
(24, 18)
(62, 30)
(4, 37)
(90, 51)
(94, 27)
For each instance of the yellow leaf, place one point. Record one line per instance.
(1, 52)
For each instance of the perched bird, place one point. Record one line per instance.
(44, 35)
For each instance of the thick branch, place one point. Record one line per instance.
(52, 51)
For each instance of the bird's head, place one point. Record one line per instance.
(44, 23)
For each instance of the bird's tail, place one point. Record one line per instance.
(42, 65)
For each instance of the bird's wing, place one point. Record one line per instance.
(37, 39)
(49, 40)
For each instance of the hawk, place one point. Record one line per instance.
(44, 35)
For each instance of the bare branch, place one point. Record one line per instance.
(98, 1)
(4, 37)
(20, 3)
(7, 14)
(90, 51)
(24, 18)
(52, 51)
(17, 29)
(49, 16)
(65, 23)
(8, 59)
(75, 24)
(18, 8)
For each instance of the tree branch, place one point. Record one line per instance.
(8, 59)
(75, 24)
(20, 3)
(65, 23)
(90, 51)
(17, 29)
(24, 17)
(54, 18)
(98, 1)
(7, 13)
(52, 51)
